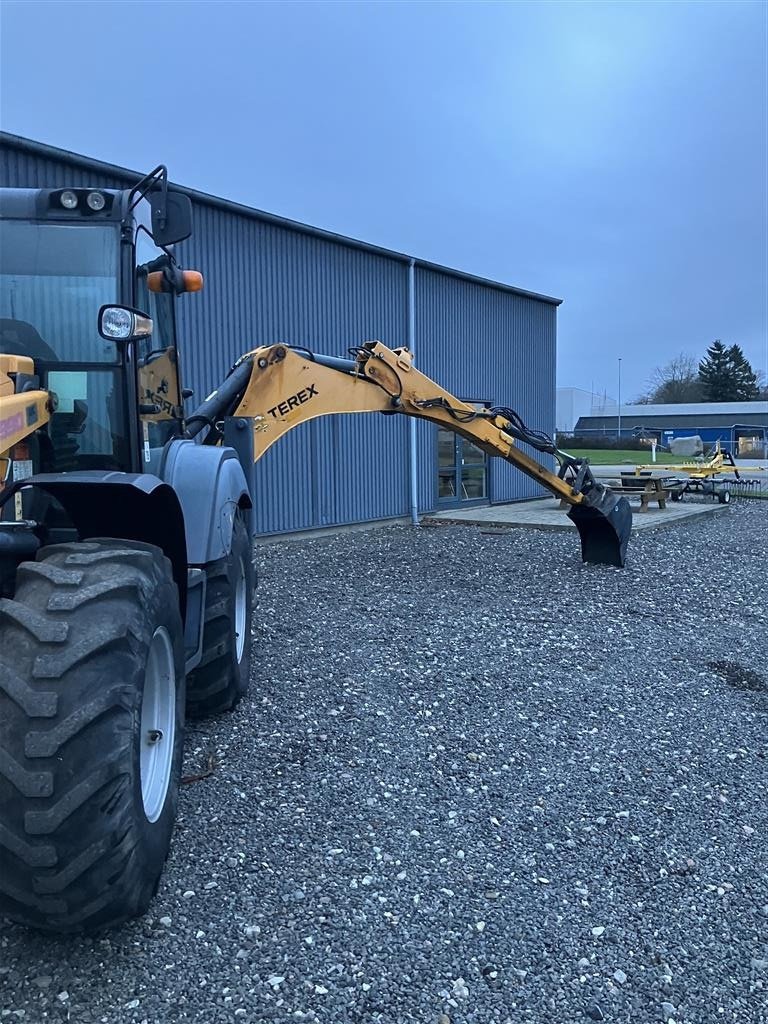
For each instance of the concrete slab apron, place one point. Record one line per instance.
(544, 514)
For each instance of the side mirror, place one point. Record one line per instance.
(121, 323)
(171, 216)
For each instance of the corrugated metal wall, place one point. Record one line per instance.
(671, 421)
(487, 345)
(266, 282)
(20, 169)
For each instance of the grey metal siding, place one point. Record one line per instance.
(19, 169)
(270, 280)
(683, 422)
(485, 344)
(265, 284)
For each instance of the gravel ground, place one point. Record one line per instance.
(476, 781)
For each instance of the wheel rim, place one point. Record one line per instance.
(158, 724)
(241, 607)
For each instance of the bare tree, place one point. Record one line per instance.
(762, 385)
(676, 381)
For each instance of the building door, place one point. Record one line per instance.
(462, 471)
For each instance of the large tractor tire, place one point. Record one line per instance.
(221, 679)
(91, 733)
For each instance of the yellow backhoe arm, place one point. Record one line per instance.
(278, 387)
(289, 386)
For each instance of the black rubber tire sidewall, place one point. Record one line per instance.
(156, 835)
(96, 679)
(241, 560)
(221, 680)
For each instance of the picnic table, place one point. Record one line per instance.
(647, 488)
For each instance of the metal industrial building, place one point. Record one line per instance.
(269, 279)
(742, 427)
(573, 403)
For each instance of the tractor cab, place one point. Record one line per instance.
(69, 259)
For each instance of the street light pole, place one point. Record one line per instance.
(618, 432)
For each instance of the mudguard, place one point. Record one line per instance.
(210, 485)
(134, 506)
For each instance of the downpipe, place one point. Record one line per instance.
(413, 447)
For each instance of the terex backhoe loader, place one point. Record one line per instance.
(126, 573)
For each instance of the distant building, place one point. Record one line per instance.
(575, 402)
(740, 426)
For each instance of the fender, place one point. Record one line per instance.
(134, 506)
(210, 485)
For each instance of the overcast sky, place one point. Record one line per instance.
(611, 154)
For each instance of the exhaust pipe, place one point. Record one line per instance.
(604, 522)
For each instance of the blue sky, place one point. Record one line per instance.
(612, 154)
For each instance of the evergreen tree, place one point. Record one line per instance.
(726, 375)
(716, 374)
(746, 378)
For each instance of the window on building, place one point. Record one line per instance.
(751, 442)
(462, 469)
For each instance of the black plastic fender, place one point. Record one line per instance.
(134, 506)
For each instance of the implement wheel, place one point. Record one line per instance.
(91, 733)
(221, 679)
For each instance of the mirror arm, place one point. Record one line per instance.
(141, 188)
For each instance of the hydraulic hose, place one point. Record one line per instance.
(225, 398)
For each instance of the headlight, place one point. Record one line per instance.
(116, 323)
(96, 201)
(119, 323)
(68, 199)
